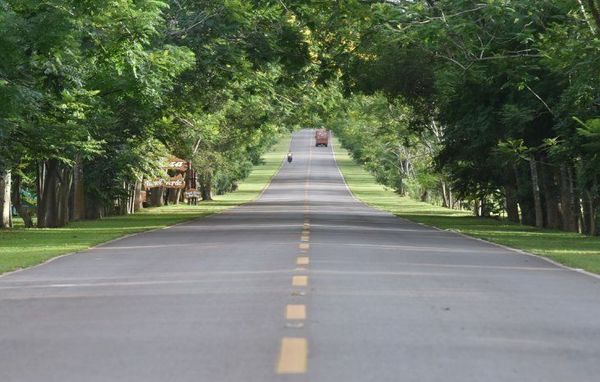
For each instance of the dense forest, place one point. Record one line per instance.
(492, 106)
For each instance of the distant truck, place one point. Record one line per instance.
(322, 137)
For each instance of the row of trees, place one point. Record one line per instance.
(93, 94)
(489, 105)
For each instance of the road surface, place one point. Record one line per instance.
(305, 284)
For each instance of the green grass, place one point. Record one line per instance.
(21, 248)
(571, 249)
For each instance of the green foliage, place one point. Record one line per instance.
(590, 131)
(501, 84)
(116, 85)
(230, 107)
(378, 134)
(446, 101)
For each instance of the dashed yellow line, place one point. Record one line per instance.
(295, 312)
(300, 280)
(302, 260)
(293, 356)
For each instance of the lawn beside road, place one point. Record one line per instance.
(574, 250)
(21, 248)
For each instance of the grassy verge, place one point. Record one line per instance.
(21, 248)
(571, 249)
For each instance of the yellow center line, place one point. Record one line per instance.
(293, 356)
(307, 183)
(295, 312)
(300, 280)
(302, 260)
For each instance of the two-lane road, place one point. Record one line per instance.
(304, 284)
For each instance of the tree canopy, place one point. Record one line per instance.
(492, 106)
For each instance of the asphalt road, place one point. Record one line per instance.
(305, 284)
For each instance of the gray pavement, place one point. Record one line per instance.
(382, 299)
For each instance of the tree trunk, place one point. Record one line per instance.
(567, 201)
(53, 203)
(485, 208)
(446, 202)
(527, 213)
(139, 200)
(550, 197)
(512, 206)
(78, 192)
(131, 195)
(595, 10)
(5, 204)
(575, 199)
(121, 205)
(591, 203)
(47, 198)
(94, 208)
(206, 190)
(589, 214)
(537, 199)
(524, 197)
(174, 196)
(157, 198)
(40, 179)
(23, 211)
(480, 208)
(66, 182)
